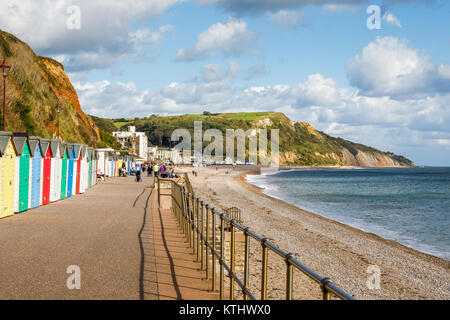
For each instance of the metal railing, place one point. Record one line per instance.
(200, 223)
(233, 213)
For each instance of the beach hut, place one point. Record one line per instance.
(22, 172)
(111, 166)
(129, 164)
(70, 168)
(78, 160)
(46, 171)
(55, 181)
(7, 173)
(119, 164)
(83, 169)
(90, 163)
(64, 169)
(36, 168)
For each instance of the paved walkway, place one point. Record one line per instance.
(178, 275)
(125, 249)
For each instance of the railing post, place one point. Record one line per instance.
(191, 200)
(207, 242)
(246, 261)
(203, 234)
(198, 231)
(326, 295)
(213, 269)
(222, 255)
(264, 270)
(193, 225)
(289, 277)
(232, 258)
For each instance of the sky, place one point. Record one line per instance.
(374, 72)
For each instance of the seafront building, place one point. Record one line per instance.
(135, 142)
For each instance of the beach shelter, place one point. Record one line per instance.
(46, 171)
(7, 173)
(55, 180)
(22, 172)
(70, 168)
(78, 160)
(36, 170)
(64, 169)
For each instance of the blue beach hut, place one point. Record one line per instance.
(36, 167)
(70, 171)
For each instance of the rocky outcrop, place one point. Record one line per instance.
(34, 86)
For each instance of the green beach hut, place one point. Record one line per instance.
(64, 168)
(22, 171)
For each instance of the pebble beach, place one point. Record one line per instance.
(332, 249)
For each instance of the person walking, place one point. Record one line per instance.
(138, 174)
(156, 170)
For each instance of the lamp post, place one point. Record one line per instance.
(5, 70)
(58, 108)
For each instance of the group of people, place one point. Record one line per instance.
(158, 171)
(161, 171)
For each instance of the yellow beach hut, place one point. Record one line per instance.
(7, 174)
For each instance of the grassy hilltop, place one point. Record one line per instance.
(299, 142)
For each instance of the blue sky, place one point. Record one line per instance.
(314, 60)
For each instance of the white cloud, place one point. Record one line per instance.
(215, 72)
(390, 18)
(256, 71)
(285, 18)
(389, 67)
(336, 7)
(105, 28)
(261, 6)
(231, 38)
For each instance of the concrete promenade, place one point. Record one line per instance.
(124, 246)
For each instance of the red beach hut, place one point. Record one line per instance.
(46, 172)
(79, 157)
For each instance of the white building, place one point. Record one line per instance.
(135, 142)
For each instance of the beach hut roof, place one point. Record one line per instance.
(34, 142)
(45, 144)
(55, 144)
(20, 140)
(5, 137)
(74, 147)
(89, 153)
(77, 148)
(64, 147)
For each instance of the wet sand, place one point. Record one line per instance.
(330, 248)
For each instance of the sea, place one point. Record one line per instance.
(407, 205)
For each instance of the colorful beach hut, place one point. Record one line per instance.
(46, 171)
(64, 169)
(36, 168)
(77, 170)
(22, 172)
(70, 168)
(89, 171)
(83, 169)
(7, 171)
(55, 183)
